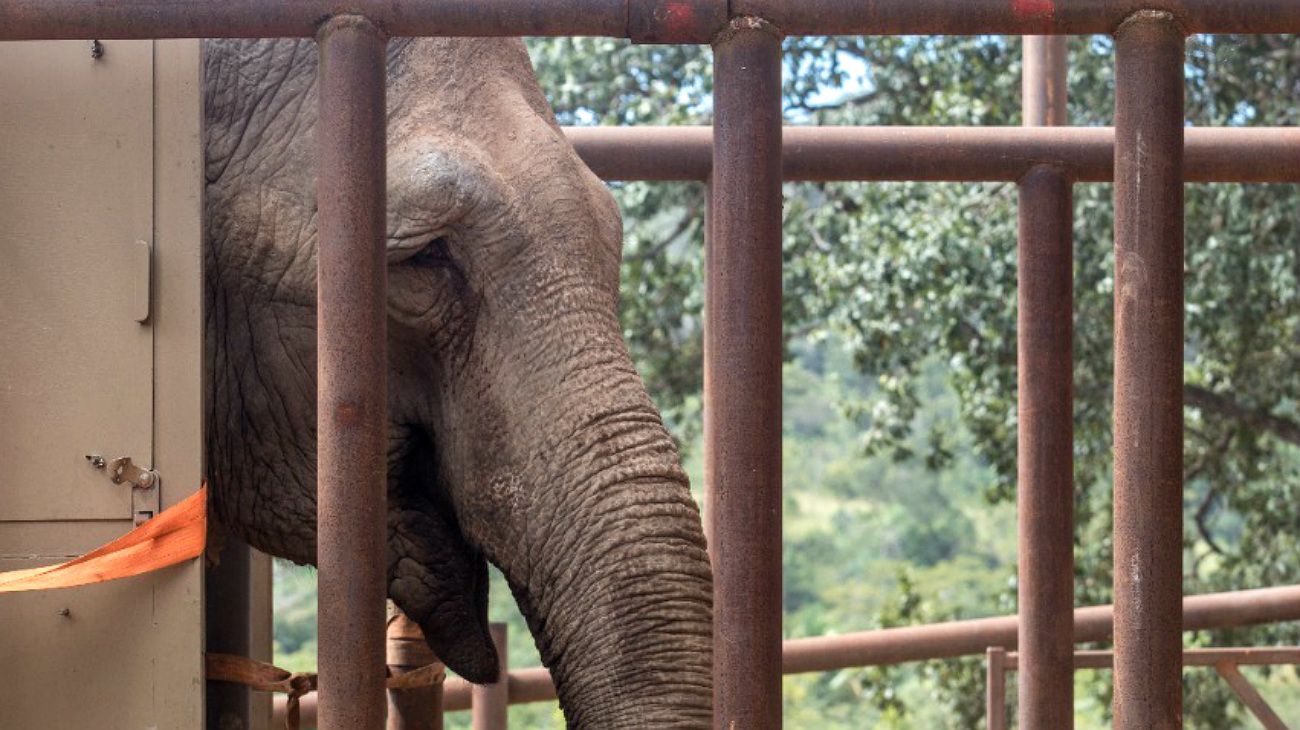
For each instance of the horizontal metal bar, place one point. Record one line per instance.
(105, 19)
(670, 21)
(962, 638)
(1014, 17)
(938, 641)
(650, 21)
(938, 154)
(1206, 657)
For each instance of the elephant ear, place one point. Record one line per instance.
(441, 583)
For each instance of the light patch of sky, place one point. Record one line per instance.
(856, 82)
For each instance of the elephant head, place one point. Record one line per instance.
(519, 430)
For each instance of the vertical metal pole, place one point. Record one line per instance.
(352, 390)
(1148, 371)
(995, 690)
(417, 708)
(742, 397)
(490, 703)
(228, 631)
(1043, 82)
(1045, 454)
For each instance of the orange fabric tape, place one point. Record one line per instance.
(176, 535)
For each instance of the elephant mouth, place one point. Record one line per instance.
(435, 575)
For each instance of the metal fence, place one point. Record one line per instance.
(1148, 154)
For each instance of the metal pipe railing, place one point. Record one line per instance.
(742, 377)
(746, 167)
(1225, 661)
(1045, 406)
(947, 640)
(352, 374)
(124, 19)
(937, 154)
(677, 21)
(1014, 17)
(1148, 415)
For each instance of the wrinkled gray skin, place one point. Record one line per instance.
(519, 431)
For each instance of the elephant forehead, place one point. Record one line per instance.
(436, 180)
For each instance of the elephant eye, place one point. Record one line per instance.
(434, 254)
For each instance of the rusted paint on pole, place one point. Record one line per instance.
(490, 703)
(938, 154)
(1148, 372)
(352, 390)
(1045, 452)
(418, 708)
(742, 365)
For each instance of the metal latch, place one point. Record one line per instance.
(146, 497)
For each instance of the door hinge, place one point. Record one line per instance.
(146, 496)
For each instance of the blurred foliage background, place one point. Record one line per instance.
(900, 382)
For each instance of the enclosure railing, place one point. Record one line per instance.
(904, 644)
(1226, 661)
(743, 341)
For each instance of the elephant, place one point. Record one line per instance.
(519, 430)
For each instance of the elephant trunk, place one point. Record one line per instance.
(621, 597)
(611, 568)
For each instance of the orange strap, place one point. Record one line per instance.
(176, 535)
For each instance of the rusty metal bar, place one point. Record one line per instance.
(947, 640)
(1224, 660)
(1043, 81)
(742, 377)
(1045, 370)
(1148, 431)
(1014, 17)
(351, 341)
(937, 154)
(995, 689)
(418, 708)
(1198, 657)
(684, 21)
(967, 638)
(490, 703)
(1249, 696)
(660, 21)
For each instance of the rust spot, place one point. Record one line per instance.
(1043, 10)
(677, 16)
(347, 414)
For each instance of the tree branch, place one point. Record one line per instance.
(1211, 402)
